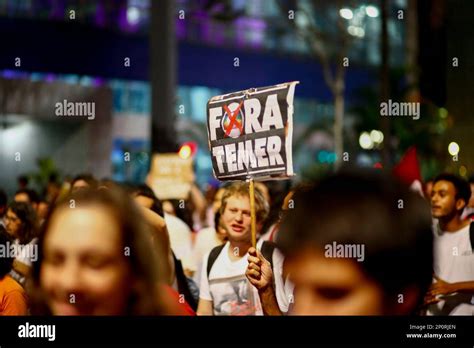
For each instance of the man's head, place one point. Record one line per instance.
(235, 211)
(83, 181)
(27, 196)
(449, 197)
(357, 244)
(22, 181)
(144, 196)
(20, 221)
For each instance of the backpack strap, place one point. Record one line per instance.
(212, 257)
(471, 235)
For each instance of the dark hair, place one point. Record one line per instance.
(183, 209)
(471, 179)
(3, 198)
(277, 191)
(27, 215)
(33, 197)
(88, 178)
(23, 180)
(463, 190)
(217, 218)
(6, 262)
(135, 233)
(362, 207)
(146, 191)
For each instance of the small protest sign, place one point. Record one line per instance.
(171, 176)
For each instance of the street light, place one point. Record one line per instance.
(346, 13)
(376, 136)
(133, 15)
(453, 148)
(372, 11)
(365, 141)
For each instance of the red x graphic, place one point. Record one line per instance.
(233, 119)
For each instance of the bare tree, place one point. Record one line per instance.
(331, 52)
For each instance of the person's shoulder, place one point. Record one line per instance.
(175, 222)
(465, 229)
(8, 284)
(220, 247)
(206, 233)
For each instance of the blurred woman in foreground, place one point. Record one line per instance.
(97, 257)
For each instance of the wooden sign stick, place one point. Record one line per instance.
(252, 213)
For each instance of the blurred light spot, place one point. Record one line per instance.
(356, 31)
(376, 136)
(346, 13)
(443, 113)
(133, 15)
(453, 148)
(378, 165)
(185, 152)
(365, 141)
(372, 11)
(323, 156)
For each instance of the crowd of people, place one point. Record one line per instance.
(357, 242)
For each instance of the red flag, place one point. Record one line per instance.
(408, 170)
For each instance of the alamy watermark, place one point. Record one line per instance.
(345, 251)
(77, 109)
(28, 330)
(14, 250)
(393, 108)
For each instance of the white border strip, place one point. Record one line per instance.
(289, 135)
(276, 88)
(254, 172)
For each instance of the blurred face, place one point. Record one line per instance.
(42, 210)
(443, 201)
(84, 270)
(236, 218)
(79, 184)
(325, 286)
(21, 197)
(12, 223)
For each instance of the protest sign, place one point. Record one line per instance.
(250, 133)
(171, 176)
(250, 136)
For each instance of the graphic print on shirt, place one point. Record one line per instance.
(232, 296)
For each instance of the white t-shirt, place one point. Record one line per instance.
(206, 240)
(180, 240)
(231, 292)
(453, 262)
